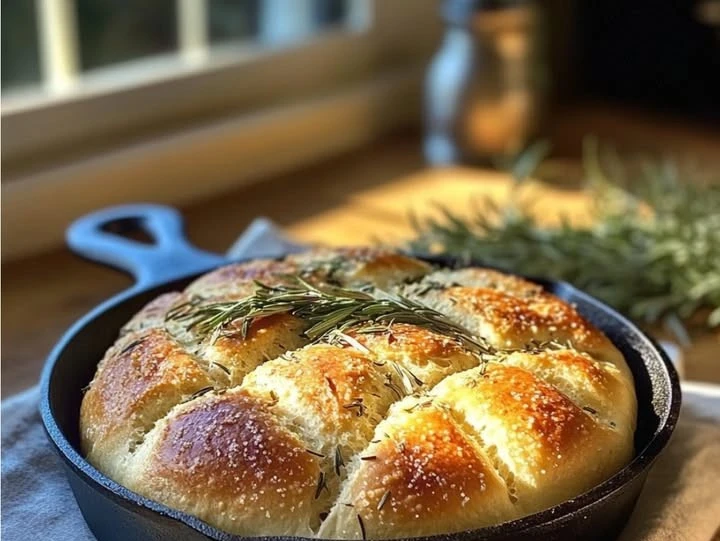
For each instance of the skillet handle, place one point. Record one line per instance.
(98, 237)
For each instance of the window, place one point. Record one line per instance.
(20, 61)
(120, 57)
(71, 39)
(104, 101)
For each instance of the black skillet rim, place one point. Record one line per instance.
(545, 520)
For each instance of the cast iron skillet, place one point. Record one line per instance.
(114, 513)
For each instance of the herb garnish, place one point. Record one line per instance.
(383, 500)
(339, 462)
(132, 345)
(327, 309)
(390, 384)
(651, 251)
(408, 378)
(321, 484)
(362, 526)
(200, 392)
(221, 367)
(357, 404)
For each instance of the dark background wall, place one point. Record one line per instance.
(655, 54)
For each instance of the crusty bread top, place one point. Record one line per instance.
(394, 431)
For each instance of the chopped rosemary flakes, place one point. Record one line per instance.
(200, 392)
(338, 337)
(362, 527)
(338, 462)
(407, 377)
(131, 345)
(221, 367)
(321, 484)
(390, 384)
(331, 384)
(357, 404)
(328, 268)
(421, 404)
(383, 500)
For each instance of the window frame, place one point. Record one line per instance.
(109, 106)
(56, 150)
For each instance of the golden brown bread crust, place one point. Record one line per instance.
(232, 357)
(484, 446)
(140, 379)
(334, 396)
(153, 314)
(547, 448)
(225, 459)
(423, 475)
(237, 280)
(397, 424)
(484, 278)
(359, 265)
(599, 387)
(513, 321)
(424, 356)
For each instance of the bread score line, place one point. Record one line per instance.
(393, 431)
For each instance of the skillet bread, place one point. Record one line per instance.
(359, 394)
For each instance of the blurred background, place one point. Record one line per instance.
(103, 99)
(335, 118)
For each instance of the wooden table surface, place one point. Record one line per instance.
(358, 198)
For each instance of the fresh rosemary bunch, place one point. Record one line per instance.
(652, 251)
(327, 309)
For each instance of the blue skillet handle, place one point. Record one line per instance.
(98, 237)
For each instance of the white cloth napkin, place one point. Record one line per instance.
(37, 502)
(681, 500)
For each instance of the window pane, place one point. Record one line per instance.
(272, 21)
(331, 12)
(114, 31)
(233, 20)
(20, 57)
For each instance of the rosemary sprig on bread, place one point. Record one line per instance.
(327, 309)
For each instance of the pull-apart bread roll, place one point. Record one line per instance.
(484, 446)
(359, 393)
